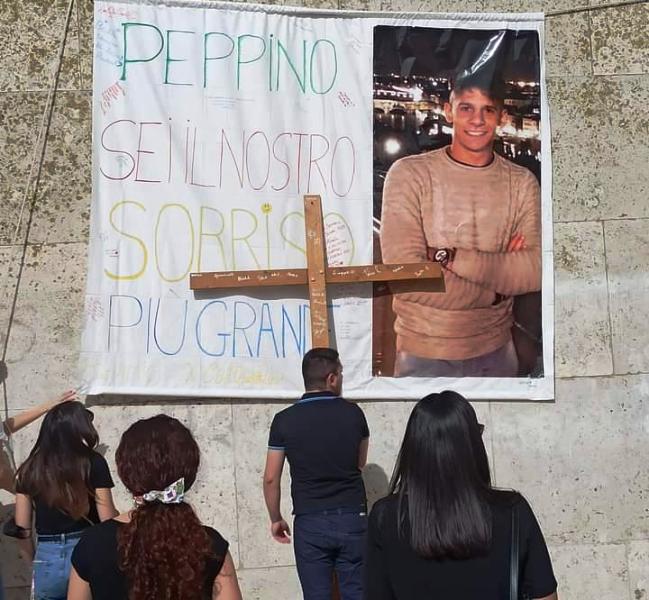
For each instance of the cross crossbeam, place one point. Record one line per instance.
(318, 275)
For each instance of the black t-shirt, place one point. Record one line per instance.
(321, 436)
(50, 520)
(96, 560)
(393, 571)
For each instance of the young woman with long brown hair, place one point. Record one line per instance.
(159, 550)
(16, 423)
(10, 426)
(65, 487)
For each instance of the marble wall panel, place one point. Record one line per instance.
(627, 244)
(44, 341)
(581, 460)
(599, 150)
(251, 427)
(21, 117)
(85, 18)
(591, 571)
(638, 557)
(62, 210)
(9, 266)
(620, 40)
(31, 34)
(582, 330)
(567, 45)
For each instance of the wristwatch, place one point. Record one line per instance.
(443, 256)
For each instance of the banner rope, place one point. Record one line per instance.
(572, 11)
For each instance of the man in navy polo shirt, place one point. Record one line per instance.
(325, 440)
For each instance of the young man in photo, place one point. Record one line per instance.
(479, 216)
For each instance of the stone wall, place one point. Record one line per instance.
(581, 461)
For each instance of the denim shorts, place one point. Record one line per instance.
(52, 566)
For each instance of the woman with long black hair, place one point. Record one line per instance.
(444, 531)
(159, 550)
(64, 486)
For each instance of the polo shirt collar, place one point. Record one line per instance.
(322, 395)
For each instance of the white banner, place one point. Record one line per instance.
(210, 124)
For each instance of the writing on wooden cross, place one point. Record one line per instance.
(318, 275)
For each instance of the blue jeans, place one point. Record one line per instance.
(52, 566)
(328, 541)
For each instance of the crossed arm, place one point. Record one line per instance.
(514, 270)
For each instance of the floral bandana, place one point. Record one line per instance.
(172, 494)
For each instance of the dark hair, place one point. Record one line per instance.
(317, 364)
(57, 469)
(164, 549)
(442, 480)
(483, 80)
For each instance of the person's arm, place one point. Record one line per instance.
(362, 452)
(516, 270)
(403, 240)
(78, 589)
(17, 422)
(550, 597)
(279, 529)
(24, 521)
(105, 505)
(226, 584)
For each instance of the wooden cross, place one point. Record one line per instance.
(317, 274)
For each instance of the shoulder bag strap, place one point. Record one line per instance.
(514, 559)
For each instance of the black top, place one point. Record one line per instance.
(321, 436)
(95, 559)
(50, 520)
(393, 571)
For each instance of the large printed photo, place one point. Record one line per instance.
(425, 138)
(457, 170)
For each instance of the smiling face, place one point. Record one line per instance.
(475, 117)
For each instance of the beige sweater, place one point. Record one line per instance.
(430, 200)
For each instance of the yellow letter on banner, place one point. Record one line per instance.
(132, 237)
